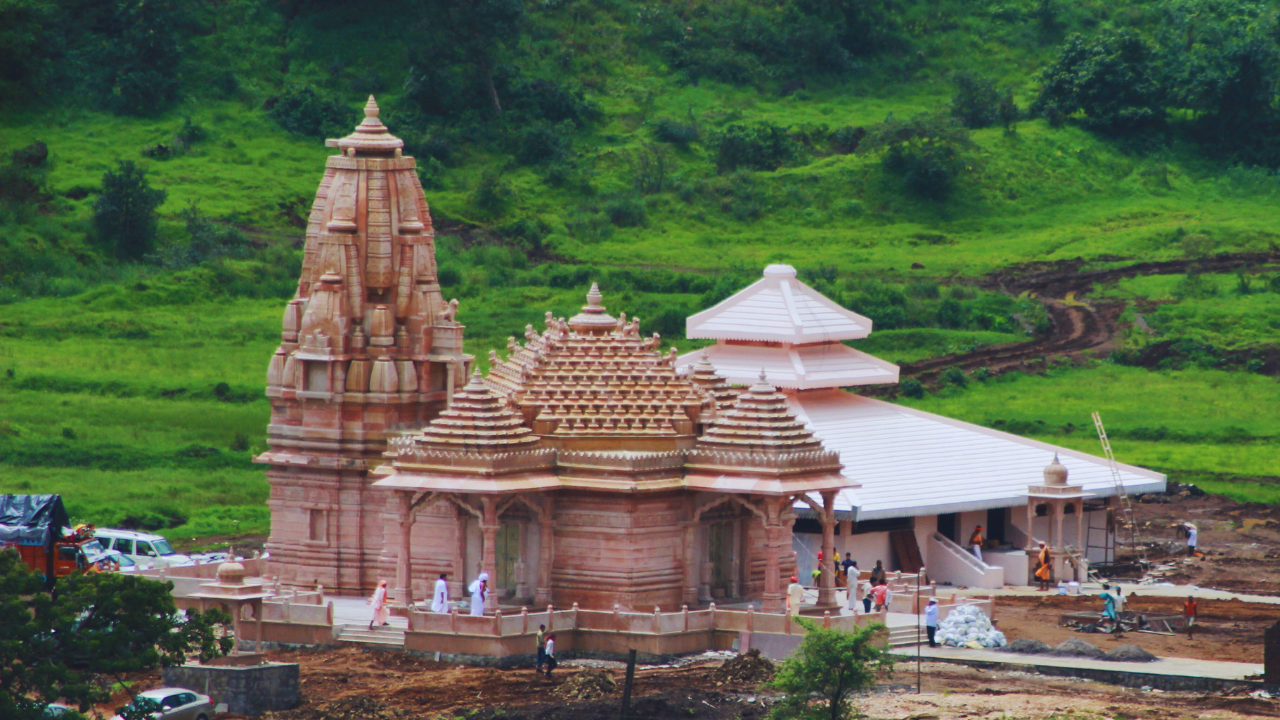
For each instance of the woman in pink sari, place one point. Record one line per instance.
(379, 602)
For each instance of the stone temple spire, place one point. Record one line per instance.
(369, 348)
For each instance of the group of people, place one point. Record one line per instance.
(479, 590)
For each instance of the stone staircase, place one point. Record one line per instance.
(382, 636)
(906, 635)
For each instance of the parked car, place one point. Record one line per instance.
(144, 548)
(174, 704)
(58, 711)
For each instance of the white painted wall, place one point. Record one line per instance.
(867, 548)
(953, 564)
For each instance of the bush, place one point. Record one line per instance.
(955, 376)
(626, 211)
(911, 388)
(493, 194)
(23, 179)
(759, 146)
(976, 102)
(303, 110)
(648, 165)
(929, 151)
(209, 240)
(952, 315)
(549, 101)
(675, 132)
(124, 217)
(845, 140)
(541, 143)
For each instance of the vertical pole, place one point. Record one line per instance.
(918, 574)
(626, 688)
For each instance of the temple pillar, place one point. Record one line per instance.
(460, 570)
(691, 562)
(404, 512)
(772, 601)
(1080, 544)
(735, 575)
(542, 596)
(827, 578)
(489, 549)
(1031, 518)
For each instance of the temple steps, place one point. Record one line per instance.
(906, 635)
(362, 635)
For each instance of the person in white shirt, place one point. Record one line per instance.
(795, 596)
(1120, 601)
(479, 591)
(440, 598)
(551, 654)
(931, 621)
(1192, 535)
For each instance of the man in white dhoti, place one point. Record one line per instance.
(379, 602)
(440, 599)
(854, 583)
(479, 591)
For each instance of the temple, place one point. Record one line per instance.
(592, 467)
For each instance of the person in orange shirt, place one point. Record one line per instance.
(976, 542)
(1189, 610)
(1044, 569)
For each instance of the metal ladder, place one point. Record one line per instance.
(1128, 519)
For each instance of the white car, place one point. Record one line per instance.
(144, 548)
(174, 704)
(115, 561)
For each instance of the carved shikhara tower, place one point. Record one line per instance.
(368, 347)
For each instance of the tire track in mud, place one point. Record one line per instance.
(1075, 326)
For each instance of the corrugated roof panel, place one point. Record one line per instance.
(914, 463)
(808, 367)
(778, 308)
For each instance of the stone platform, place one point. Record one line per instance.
(245, 690)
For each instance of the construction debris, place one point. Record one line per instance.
(1026, 646)
(1075, 647)
(355, 707)
(1129, 653)
(587, 684)
(749, 668)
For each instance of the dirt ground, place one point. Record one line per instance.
(355, 684)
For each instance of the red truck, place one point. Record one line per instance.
(37, 526)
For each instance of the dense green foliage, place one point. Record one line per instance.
(125, 215)
(73, 645)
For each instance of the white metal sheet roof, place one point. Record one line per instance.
(778, 308)
(808, 367)
(911, 462)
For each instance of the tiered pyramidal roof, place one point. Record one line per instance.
(759, 445)
(790, 330)
(602, 402)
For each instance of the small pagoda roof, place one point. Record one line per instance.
(778, 308)
(759, 446)
(803, 367)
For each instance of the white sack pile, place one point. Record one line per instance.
(967, 626)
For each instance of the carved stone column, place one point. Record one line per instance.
(1031, 518)
(691, 562)
(461, 573)
(489, 549)
(735, 575)
(827, 580)
(404, 586)
(772, 601)
(546, 556)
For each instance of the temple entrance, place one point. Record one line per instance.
(947, 526)
(508, 554)
(720, 555)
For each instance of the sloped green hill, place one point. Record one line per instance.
(666, 150)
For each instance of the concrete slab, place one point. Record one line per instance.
(1165, 673)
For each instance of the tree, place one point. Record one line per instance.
(135, 56)
(74, 644)
(467, 39)
(1113, 79)
(125, 214)
(831, 665)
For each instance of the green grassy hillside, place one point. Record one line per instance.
(665, 150)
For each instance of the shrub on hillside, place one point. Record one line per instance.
(976, 102)
(626, 211)
(929, 151)
(124, 217)
(1113, 79)
(911, 388)
(303, 110)
(846, 139)
(542, 143)
(493, 195)
(24, 177)
(675, 132)
(554, 103)
(955, 376)
(758, 146)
